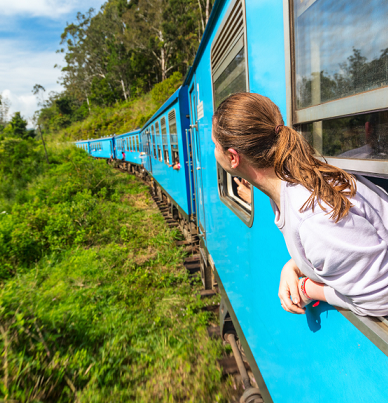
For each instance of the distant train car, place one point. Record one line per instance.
(166, 144)
(325, 64)
(129, 143)
(101, 148)
(83, 144)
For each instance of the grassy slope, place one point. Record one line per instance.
(123, 117)
(94, 303)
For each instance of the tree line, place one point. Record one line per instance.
(119, 53)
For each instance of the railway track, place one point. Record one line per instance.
(235, 363)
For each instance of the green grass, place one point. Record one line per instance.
(95, 305)
(123, 117)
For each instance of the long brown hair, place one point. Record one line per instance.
(253, 125)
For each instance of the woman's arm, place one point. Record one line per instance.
(288, 287)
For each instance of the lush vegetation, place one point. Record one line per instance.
(122, 117)
(94, 302)
(118, 54)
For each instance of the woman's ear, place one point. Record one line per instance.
(234, 158)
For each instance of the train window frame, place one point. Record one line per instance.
(172, 120)
(369, 101)
(160, 140)
(153, 141)
(374, 328)
(229, 41)
(164, 134)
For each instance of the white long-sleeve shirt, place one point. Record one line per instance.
(351, 256)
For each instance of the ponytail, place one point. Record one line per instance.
(294, 162)
(252, 125)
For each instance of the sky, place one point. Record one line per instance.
(30, 33)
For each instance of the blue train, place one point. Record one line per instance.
(325, 64)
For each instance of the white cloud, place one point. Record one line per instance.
(45, 8)
(21, 69)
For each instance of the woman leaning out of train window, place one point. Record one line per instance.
(332, 222)
(176, 166)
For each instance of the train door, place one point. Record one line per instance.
(196, 147)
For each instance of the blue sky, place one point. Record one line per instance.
(29, 36)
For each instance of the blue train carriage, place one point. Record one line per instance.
(129, 144)
(325, 64)
(102, 147)
(83, 145)
(166, 155)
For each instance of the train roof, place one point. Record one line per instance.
(137, 131)
(100, 139)
(205, 37)
(165, 106)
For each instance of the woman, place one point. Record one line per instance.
(332, 222)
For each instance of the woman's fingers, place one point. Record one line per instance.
(294, 291)
(237, 181)
(288, 306)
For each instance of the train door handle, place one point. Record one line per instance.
(198, 168)
(196, 126)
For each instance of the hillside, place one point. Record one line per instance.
(123, 117)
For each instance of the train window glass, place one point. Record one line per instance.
(173, 137)
(153, 140)
(229, 75)
(137, 143)
(166, 156)
(341, 49)
(359, 136)
(164, 137)
(341, 86)
(160, 154)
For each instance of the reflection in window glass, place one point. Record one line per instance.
(360, 136)
(232, 79)
(341, 48)
(173, 137)
(153, 140)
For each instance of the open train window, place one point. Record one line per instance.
(160, 154)
(340, 87)
(173, 137)
(230, 75)
(166, 156)
(153, 140)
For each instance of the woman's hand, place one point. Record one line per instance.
(289, 287)
(244, 190)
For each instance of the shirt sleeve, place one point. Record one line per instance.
(348, 256)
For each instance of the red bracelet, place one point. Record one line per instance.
(303, 287)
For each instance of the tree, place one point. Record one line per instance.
(17, 127)
(4, 109)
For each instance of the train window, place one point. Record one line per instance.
(166, 156)
(153, 140)
(160, 155)
(137, 143)
(173, 137)
(341, 86)
(229, 75)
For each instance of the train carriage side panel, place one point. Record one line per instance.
(317, 357)
(127, 142)
(170, 121)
